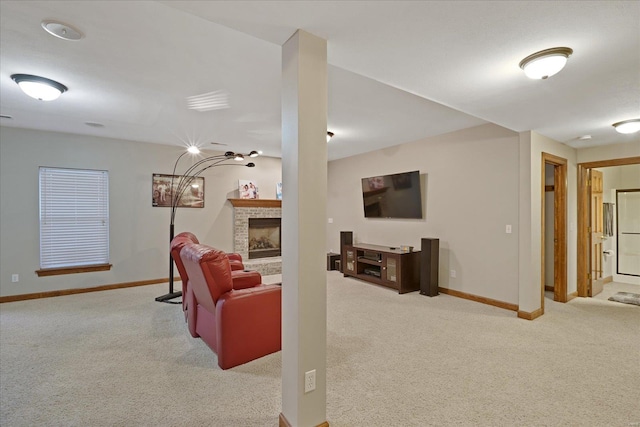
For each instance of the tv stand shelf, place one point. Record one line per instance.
(382, 265)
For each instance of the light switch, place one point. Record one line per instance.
(508, 229)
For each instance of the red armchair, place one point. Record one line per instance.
(239, 325)
(241, 279)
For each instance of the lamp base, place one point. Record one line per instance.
(167, 297)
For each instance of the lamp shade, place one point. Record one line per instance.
(627, 126)
(40, 88)
(545, 63)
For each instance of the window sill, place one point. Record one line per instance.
(73, 270)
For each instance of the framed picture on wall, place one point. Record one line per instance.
(279, 191)
(248, 189)
(165, 186)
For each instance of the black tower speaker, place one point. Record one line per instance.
(346, 239)
(429, 256)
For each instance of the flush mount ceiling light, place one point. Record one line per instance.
(39, 87)
(61, 30)
(545, 63)
(193, 149)
(627, 126)
(329, 136)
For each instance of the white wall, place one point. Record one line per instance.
(470, 190)
(139, 233)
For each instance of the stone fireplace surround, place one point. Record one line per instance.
(243, 209)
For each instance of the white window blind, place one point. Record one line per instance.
(74, 217)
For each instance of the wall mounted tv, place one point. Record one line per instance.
(392, 196)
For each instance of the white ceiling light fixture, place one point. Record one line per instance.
(38, 87)
(193, 149)
(61, 30)
(627, 126)
(546, 63)
(329, 136)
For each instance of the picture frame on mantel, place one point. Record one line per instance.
(163, 187)
(248, 189)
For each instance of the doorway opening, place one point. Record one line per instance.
(554, 228)
(588, 280)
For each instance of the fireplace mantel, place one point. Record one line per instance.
(256, 203)
(243, 210)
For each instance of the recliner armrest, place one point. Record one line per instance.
(248, 323)
(234, 256)
(236, 265)
(245, 279)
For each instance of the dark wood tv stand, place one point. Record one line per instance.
(382, 265)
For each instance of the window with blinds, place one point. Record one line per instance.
(74, 217)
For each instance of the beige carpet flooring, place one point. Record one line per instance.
(118, 358)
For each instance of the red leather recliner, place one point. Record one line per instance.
(241, 279)
(239, 325)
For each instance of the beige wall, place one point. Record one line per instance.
(532, 145)
(139, 233)
(607, 152)
(470, 191)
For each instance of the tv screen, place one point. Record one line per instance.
(392, 196)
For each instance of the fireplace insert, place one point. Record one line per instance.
(264, 237)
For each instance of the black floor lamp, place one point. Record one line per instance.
(184, 181)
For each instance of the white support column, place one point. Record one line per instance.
(304, 200)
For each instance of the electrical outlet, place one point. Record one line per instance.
(309, 381)
(15, 278)
(453, 273)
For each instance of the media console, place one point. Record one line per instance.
(382, 265)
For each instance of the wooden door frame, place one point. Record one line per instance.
(559, 227)
(584, 202)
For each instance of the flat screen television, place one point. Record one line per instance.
(392, 196)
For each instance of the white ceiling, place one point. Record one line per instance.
(399, 70)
